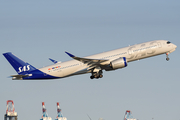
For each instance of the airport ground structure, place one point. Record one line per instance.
(10, 111)
(128, 115)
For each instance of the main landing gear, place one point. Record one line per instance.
(167, 56)
(96, 75)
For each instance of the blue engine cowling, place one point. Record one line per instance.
(116, 64)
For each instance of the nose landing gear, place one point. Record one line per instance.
(167, 56)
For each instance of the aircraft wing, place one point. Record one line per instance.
(90, 62)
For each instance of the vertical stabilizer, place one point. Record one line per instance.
(19, 65)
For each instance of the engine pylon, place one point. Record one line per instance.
(10, 111)
(59, 116)
(45, 115)
(128, 115)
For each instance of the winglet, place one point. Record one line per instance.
(69, 54)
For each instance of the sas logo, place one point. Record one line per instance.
(24, 68)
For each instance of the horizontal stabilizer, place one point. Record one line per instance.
(19, 77)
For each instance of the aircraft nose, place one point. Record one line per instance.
(175, 46)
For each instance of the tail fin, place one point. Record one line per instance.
(19, 65)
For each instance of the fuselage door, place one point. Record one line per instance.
(130, 52)
(159, 45)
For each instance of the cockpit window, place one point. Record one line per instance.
(168, 42)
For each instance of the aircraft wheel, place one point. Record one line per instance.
(167, 59)
(95, 76)
(92, 77)
(100, 76)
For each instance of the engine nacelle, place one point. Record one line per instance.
(118, 63)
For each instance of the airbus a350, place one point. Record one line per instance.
(94, 64)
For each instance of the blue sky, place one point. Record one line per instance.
(36, 30)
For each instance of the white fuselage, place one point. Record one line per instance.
(132, 53)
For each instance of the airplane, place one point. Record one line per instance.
(94, 64)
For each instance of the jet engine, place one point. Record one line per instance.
(116, 64)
